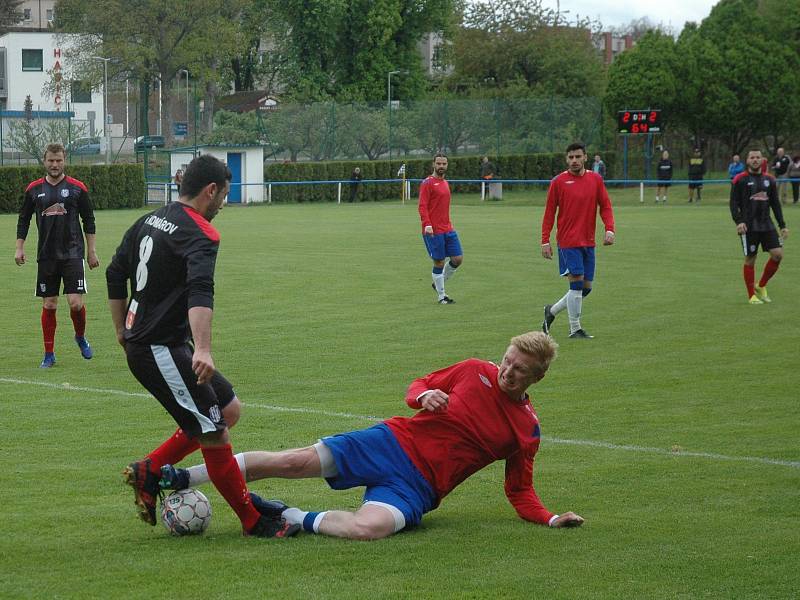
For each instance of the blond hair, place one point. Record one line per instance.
(539, 345)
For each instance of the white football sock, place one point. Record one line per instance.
(438, 281)
(198, 474)
(574, 303)
(448, 271)
(294, 515)
(560, 304)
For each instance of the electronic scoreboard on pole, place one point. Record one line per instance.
(639, 121)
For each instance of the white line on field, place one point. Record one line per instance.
(312, 411)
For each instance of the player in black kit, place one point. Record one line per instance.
(58, 201)
(752, 195)
(165, 328)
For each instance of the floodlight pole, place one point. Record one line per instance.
(106, 130)
(187, 94)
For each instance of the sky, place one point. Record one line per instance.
(612, 13)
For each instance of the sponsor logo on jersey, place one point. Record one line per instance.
(54, 210)
(569, 181)
(40, 195)
(162, 224)
(131, 314)
(760, 197)
(485, 380)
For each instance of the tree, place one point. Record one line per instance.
(152, 40)
(645, 76)
(505, 41)
(344, 49)
(235, 128)
(31, 136)
(10, 14)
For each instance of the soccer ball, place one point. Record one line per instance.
(186, 512)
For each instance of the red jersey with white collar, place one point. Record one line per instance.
(577, 200)
(481, 425)
(434, 204)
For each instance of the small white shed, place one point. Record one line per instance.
(245, 162)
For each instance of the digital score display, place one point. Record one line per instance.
(639, 121)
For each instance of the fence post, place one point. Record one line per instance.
(483, 190)
(339, 193)
(641, 191)
(269, 194)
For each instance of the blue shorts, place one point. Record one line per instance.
(442, 245)
(373, 458)
(577, 261)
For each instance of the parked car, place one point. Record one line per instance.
(148, 141)
(87, 145)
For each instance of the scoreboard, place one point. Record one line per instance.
(639, 121)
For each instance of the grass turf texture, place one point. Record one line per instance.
(323, 316)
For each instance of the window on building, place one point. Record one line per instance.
(50, 15)
(26, 14)
(439, 58)
(80, 91)
(32, 60)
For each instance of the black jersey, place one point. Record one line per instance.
(665, 169)
(751, 198)
(57, 209)
(168, 257)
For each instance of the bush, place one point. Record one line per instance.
(112, 186)
(511, 166)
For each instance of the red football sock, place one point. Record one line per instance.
(49, 328)
(223, 470)
(79, 320)
(174, 450)
(749, 279)
(769, 271)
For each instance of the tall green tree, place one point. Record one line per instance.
(152, 40)
(502, 42)
(10, 14)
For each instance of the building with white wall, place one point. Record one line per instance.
(36, 64)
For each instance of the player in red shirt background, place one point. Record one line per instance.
(468, 416)
(575, 196)
(60, 204)
(441, 240)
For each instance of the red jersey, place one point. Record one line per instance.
(481, 425)
(434, 204)
(577, 200)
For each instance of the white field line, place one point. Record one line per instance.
(343, 415)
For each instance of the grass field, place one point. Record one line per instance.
(674, 432)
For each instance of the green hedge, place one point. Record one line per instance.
(512, 166)
(114, 186)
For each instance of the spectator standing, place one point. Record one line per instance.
(664, 177)
(794, 175)
(697, 169)
(780, 166)
(355, 182)
(598, 166)
(735, 167)
(177, 178)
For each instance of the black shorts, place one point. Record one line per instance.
(766, 239)
(52, 272)
(694, 185)
(166, 372)
(665, 183)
